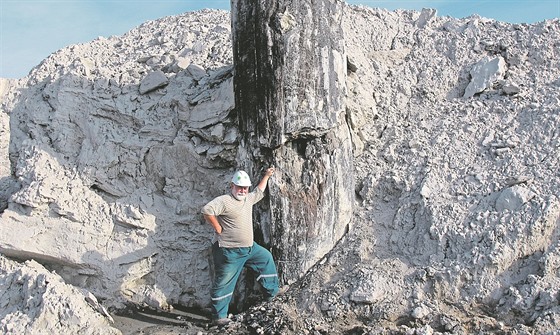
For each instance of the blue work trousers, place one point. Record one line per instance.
(228, 264)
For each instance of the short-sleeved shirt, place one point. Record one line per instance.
(235, 217)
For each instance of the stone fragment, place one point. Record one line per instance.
(420, 312)
(153, 81)
(211, 107)
(366, 297)
(484, 74)
(510, 89)
(513, 197)
(426, 16)
(196, 71)
(181, 63)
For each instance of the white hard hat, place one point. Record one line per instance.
(241, 178)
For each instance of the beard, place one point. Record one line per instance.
(239, 197)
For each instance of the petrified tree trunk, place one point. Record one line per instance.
(290, 77)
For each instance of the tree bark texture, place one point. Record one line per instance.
(290, 84)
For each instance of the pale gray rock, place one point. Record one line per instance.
(484, 73)
(209, 107)
(196, 71)
(426, 15)
(105, 185)
(153, 81)
(8, 184)
(35, 300)
(420, 312)
(119, 175)
(511, 89)
(513, 197)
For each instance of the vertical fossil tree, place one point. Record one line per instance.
(290, 70)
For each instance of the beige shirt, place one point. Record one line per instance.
(235, 217)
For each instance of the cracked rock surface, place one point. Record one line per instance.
(108, 150)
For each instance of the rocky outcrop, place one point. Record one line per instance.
(290, 66)
(8, 184)
(35, 300)
(116, 145)
(455, 214)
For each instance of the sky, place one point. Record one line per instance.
(30, 30)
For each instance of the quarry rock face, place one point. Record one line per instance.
(115, 146)
(417, 183)
(290, 70)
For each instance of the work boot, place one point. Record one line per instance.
(281, 292)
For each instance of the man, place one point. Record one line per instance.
(233, 248)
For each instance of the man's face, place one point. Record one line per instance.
(239, 192)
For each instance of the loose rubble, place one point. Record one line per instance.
(108, 149)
